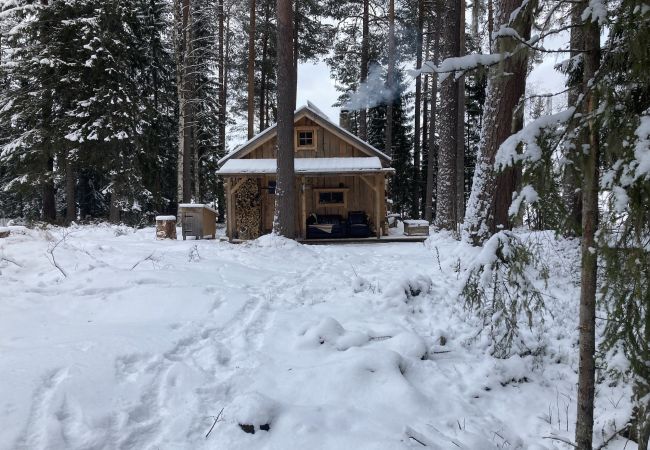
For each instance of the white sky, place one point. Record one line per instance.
(315, 85)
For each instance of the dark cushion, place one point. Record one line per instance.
(356, 217)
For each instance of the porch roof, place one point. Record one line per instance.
(248, 166)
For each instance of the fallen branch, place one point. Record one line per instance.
(53, 260)
(4, 258)
(561, 439)
(148, 258)
(214, 423)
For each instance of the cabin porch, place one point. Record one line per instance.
(251, 201)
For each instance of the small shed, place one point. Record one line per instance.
(197, 220)
(336, 174)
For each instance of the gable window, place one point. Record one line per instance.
(305, 138)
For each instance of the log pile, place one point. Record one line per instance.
(248, 203)
(4, 232)
(165, 227)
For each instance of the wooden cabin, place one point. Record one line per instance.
(337, 176)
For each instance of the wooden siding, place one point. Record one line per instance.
(328, 145)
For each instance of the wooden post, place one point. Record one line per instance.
(303, 208)
(229, 209)
(378, 179)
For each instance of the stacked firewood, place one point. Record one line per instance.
(249, 210)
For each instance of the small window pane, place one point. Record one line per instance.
(331, 198)
(305, 138)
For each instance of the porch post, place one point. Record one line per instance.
(378, 191)
(303, 208)
(228, 210)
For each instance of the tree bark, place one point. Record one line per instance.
(222, 106)
(506, 86)
(433, 113)
(390, 78)
(417, 149)
(365, 55)
(70, 201)
(48, 189)
(476, 12)
(460, 127)
(178, 57)
(588, 274)
(251, 70)
(263, 78)
(447, 161)
(571, 176)
(187, 104)
(284, 223)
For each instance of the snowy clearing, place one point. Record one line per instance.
(142, 343)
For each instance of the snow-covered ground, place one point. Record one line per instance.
(143, 343)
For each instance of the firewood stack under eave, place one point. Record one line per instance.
(248, 206)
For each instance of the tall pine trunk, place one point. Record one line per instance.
(506, 86)
(284, 223)
(447, 160)
(589, 263)
(571, 176)
(251, 70)
(48, 190)
(70, 202)
(460, 127)
(187, 104)
(433, 113)
(221, 199)
(390, 78)
(417, 149)
(365, 55)
(263, 75)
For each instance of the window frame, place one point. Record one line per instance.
(319, 191)
(296, 139)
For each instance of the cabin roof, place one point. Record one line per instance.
(304, 166)
(312, 112)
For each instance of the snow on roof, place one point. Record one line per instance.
(240, 150)
(303, 165)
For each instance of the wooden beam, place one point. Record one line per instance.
(303, 207)
(370, 182)
(236, 187)
(378, 179)
(228, 210)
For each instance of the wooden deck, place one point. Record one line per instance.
(368, 240)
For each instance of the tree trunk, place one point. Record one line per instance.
(447, 160)
(178, 57)
(390, 78)
(265, 46)
(48, 189)
(571, 176)
(365, 52)
(415, 208)
(490, 21)
(70, 201)
(251, 70)
(187, 104)
(431, 139)
(222, 107)
(506, 86)
(588, 274)
(296, 50)
(460, 127)
(476, 13)
(284, 223)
